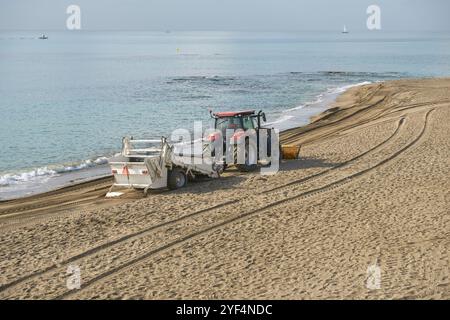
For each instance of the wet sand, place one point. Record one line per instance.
(371, 192)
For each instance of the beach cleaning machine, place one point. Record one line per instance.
(155, 164)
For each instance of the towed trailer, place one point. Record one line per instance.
(156, 164)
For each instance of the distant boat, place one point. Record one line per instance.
(345, 29)
(43, 37)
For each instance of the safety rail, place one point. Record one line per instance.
(129, 148)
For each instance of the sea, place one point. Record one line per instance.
(66, 102)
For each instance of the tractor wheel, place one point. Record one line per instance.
(176, 179)
(246, 167)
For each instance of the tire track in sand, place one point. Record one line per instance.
(182, 239)
(153, 228)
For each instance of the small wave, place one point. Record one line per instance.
(213, 79)
(191, 78)
(322, 98)
(196, 97)
(295, 108)
(44, 173)
(280, 120)
(361, 74)
(349, 73)
(83, 165)
(345, 88)
(11, 178)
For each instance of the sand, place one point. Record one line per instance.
(364, 214)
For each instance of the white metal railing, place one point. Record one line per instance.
(129, 148)
(145, 141)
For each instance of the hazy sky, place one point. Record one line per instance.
(225, 15)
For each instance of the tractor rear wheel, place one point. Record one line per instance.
(247, 166)
(176, 179)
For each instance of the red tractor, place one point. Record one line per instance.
(241, 128)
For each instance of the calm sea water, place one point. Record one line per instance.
(66, 102)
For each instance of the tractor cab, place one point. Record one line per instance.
(243, 120)
(240, 122)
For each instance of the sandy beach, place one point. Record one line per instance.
(370, 192)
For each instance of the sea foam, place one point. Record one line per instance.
(46, 172)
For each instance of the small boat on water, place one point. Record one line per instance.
(43, 37)
(345, 29)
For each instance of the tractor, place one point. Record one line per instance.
(237, 126)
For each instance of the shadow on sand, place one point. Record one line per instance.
(232, 177)
(206, 184)
(305, 163)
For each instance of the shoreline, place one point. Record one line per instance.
(370, 191)
(335, 105)
(63, 180)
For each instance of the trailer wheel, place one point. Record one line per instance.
(176, 179)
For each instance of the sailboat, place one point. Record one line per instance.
(345, 29)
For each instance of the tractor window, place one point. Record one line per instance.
(228, 123)
(248, 123)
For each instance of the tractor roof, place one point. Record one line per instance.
(234, 113)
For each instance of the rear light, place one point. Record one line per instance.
(114, 171)
(144, 172)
